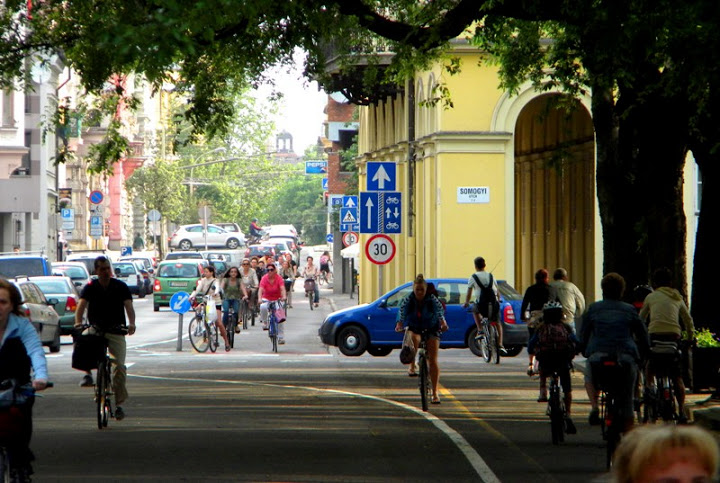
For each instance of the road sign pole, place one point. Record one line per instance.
(380, 281)
(180, 332)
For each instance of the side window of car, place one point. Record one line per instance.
(214, 229)
(31, 295)
(194, 229)
(394, 299)
(445, 292)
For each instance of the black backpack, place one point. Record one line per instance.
(487, 304)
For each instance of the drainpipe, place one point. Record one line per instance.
(58, 256)
(411, 157)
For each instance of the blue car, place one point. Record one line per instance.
(371, 327)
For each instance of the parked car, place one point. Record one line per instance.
(233, 228)
(63, 290)
(290, 244)
(24, 264)
(77, 271)
(260, 250)
(189, 236)
(130, 273)
(281, 230)
(232, 258)
(371, 327)
(174, 276)
(86, 257)
(183, 255)
(146, 267)
(40, 311)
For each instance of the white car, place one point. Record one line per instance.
(130, 273)
(281, 230)
(188, 236)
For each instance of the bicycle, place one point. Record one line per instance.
(610, 422)
(12, 427)
(489, 336)
(232, 321)
(324, 277)
(203, 334)
(423, 372)
(660, 398)
(273, 323)
(310, 292)
(556, 409)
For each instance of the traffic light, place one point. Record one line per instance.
(326, 196)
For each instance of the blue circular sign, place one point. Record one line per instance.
(329, 237)
(96, 197)
(180, 302)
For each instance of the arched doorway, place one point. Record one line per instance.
(555, 192)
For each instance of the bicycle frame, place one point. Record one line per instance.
(489, 342)
(610, 422)
(424, 372)
(273, 324)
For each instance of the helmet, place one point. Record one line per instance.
(254, 219)
(552, 308)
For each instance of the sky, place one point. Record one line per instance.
(301, 109)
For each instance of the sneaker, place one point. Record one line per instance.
(87, 381)
(281, 341)
(119, 413)
(542, 397)
(594, 418)
(570, 426)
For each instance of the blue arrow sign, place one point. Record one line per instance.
(350, 201)
(381, 176)
(324, 184)
(329, 237)
(380, 212)
(180, 302)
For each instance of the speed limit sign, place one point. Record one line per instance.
(349, 238)
(380, 249)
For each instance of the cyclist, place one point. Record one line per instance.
(208, 285)
(255, 231)
(272, 289)
(107, 300)
(250, 281)
(536, 296)
(287, 272)
(665, 309)
(233, 290)
(612, 329)
(482, 281)
(423, 314)
(325, 262)
(554, 343)
(20, 351)
(310, 272)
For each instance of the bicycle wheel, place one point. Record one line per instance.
(101, 394)
(666, 393)
(230, 329)
(310, 296)
(485, 344)
(198, 334)
(272, 328)
(212, 331)
(424, 382)
(494, 345)
(557, 414)
(4, 465)
(245, 315)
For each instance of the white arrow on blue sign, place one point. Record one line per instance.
(381, 176)
(350, 201)
(380, 212)
(324, 184)
(180, 302)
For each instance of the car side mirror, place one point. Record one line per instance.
(383, 303)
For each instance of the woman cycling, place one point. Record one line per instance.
(325, 262)
(287, 272)
(209, 285)
(20, 350)
(233, 291)
(310, 272)
(250, 280)
(422, 314)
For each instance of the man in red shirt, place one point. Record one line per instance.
(271, 289)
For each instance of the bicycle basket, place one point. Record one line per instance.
(310, 285)
(88, 351)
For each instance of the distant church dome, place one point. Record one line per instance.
(284, 142)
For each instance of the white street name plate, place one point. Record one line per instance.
(477, 194)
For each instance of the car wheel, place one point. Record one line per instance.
(474, 345)
(513, 350)
(379, 351)
(156, 308)
(55, 344)
(352, 341)
(141, 292)
(232, 243)
(185, 244)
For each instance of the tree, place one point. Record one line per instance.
(299, 202)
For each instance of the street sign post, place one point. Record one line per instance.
(325, 184)
(329, 238)
(180, 303)
(381, 176)
(349, 218)
(96, 226)
(125, 251)
(380, 249)
(350, 238)
(153, 215)
(96, 197)
(67, 215)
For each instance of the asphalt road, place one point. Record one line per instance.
(307, 413)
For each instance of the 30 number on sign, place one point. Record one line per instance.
(380, 249)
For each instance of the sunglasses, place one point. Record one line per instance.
(245, 263)
(271, 269)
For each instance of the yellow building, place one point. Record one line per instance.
(506, 177)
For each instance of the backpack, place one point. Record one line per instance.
(554, 339)
(487, 299)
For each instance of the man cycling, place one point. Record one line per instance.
(664, 309)
(272, 289)
(255, 231)
(107, 300)
(612, 329)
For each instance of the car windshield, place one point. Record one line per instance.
(12, 267)
(124, 269)
(508, 293)
(178, 270)
(75, 273)
(53, 286)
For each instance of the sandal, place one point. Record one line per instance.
(435, 400)
(412, 374)
(227, 348)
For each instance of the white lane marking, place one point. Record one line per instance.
(481, 468)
